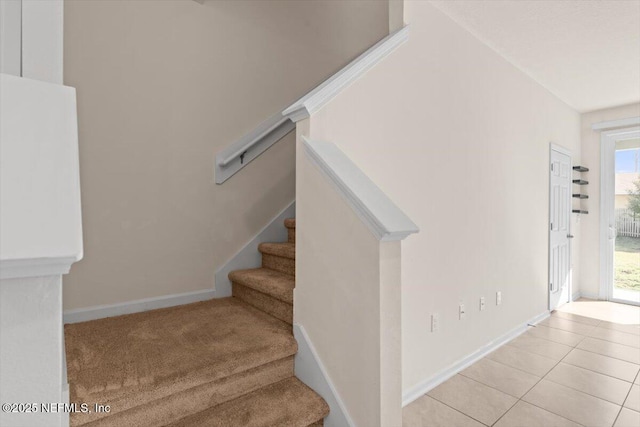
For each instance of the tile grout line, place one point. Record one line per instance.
(623, 402)
(545, 376)
(606, 355)
(457, 410)
(584, 392)
(532, 387)
(591, 370)
(577, 321)
(561, 360)
(585, 324)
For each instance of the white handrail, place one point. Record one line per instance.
(384, 218)
(235, 157)
(240, 153)
(326, 91)
(272, 124)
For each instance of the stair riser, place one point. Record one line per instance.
(274, 307)
(292, 235)
(175, 407)
(283, 265)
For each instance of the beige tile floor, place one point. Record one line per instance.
(579, 367)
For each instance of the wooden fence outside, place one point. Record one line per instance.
(627, 224)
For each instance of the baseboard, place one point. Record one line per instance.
(248, 256)
(310, 370)
(136, 306)
(425, 386)
(577, 295)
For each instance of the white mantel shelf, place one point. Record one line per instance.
(40, 218)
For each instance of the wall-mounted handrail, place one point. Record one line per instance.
(240, 153)
(237, 155)
(327, 90)
(272, 124)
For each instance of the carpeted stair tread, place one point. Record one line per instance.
(179, 405)
(283, 250)
(131, 360)
(273, 283)
(263, 302)
(290, 223)
(288, 403)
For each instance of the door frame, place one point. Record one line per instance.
(562, 150)
(608, 141)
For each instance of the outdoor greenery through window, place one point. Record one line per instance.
(627, 209)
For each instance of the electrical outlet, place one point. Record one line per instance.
(481, 303)
(461, 311)
(498, 298)
(435, 322)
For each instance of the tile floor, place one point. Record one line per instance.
(578, 367)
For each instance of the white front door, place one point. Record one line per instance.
(559, 230)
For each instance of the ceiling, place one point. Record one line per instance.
(586, 52)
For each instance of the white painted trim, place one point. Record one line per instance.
(624, 301)
(611, 124)
(136, 306)
(11, 37)
(578, 294)
(273, 129)
(249, 256)
(321, 95)
(35, 267)
(425, 386)
(253, 144)
(385, 220)
(607, 208)
(310, 370)
(43, 40)
(562, 150)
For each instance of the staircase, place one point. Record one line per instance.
(223, 362)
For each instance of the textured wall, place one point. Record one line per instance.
(162, 87)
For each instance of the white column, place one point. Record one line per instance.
(11, 37)
(42, 40)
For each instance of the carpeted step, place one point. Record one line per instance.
(273, 283)
(279, 256)
(288, 403)
(159, 366)
(290, 223)
(267, 290)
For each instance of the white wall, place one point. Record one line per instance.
(42, 40)
(459, 140)
(162, 87)
(10, 37)
(31, 39)
(590, 224)
(30, 348)
(347, 296)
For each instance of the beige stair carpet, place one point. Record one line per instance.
(223, 362)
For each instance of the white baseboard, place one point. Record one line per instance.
(577, 295)
(310, 370)
(249, 256)
(136, 306)
(425, 386)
